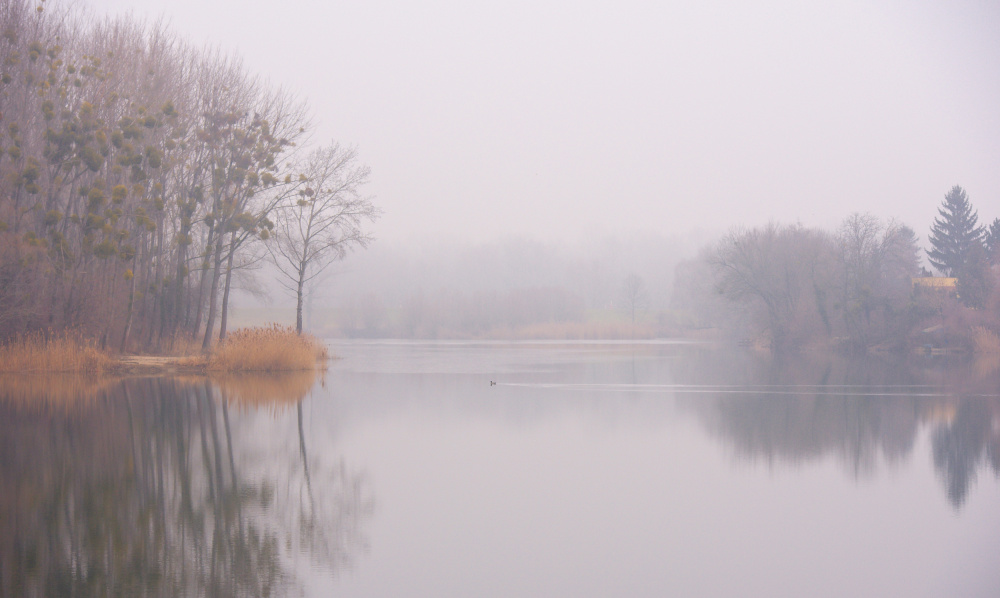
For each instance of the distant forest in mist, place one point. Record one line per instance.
(776, 285)
(514, 287)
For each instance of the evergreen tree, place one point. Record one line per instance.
(993, 242)
(975, 283)
(955, 232)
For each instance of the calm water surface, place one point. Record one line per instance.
(611, 469)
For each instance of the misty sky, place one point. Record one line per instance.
(560, 119)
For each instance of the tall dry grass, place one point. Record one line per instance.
(48, 353)
(268, 349)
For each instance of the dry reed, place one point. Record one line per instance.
(267, 349)
(46, 353)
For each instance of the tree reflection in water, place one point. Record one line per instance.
(145, 488)
(868, 412)
(967, 444)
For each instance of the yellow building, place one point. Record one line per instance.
(936, 284)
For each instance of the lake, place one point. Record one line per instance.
(589, 469)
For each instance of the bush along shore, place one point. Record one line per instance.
(262, 349)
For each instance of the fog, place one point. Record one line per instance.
(540, 170)
(492, 288)
(564, 122)
(565, 277)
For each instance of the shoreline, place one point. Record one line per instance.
(270, 349)
(158, 365)
(161, 365)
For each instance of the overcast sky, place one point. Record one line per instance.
(561, 119)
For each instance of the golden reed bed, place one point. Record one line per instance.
(265, 349)
(53, 353)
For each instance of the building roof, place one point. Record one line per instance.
(935, 282)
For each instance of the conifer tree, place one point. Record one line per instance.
(993, 242)
(955, 232)
(975, 283)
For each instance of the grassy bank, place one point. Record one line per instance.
(48, 353)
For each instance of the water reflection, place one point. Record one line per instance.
(157, 487)
(228, 487)
(867, 412)
(279, 390)
(967, 444)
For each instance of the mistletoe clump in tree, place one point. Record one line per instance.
(138, 174)
(955, 234)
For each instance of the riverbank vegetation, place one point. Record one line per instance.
(860, 287)
(267, 349)
(40, 352)
(142, 179)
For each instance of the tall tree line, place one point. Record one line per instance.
(791, 286)
(795, 285)
(137, 174)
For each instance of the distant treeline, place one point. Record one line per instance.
(449, 313)
(788, 286)
(138, 175)
(512, 287)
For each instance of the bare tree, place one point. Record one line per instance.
(878, 260)
(249, 129)
(782, 274)
(323, 223)
(635, 297)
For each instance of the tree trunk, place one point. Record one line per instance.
(157, 300)
(111, 308)
(225, 293)
(201, 281)
(178, 292)
(213, 295)
(298, 302)
(128, 317)
(303, 263)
